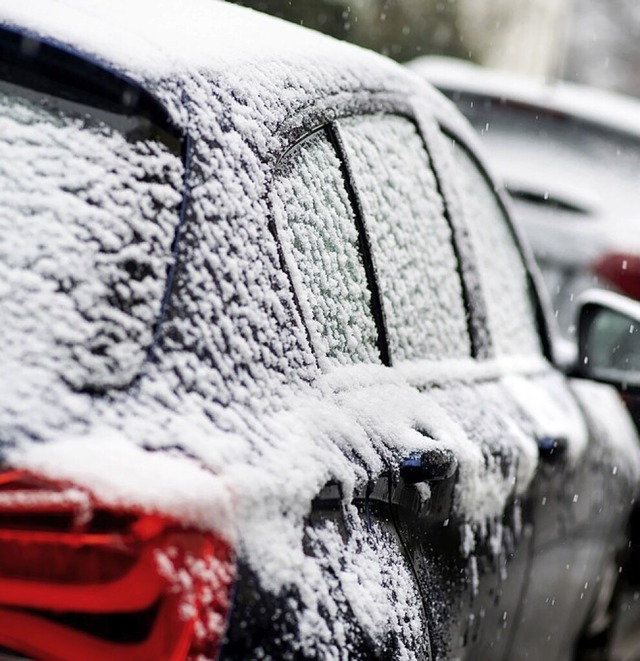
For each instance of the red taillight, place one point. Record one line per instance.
(80, 580)
(621, 270)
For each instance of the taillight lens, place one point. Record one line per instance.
(622, 271)
(81, 580)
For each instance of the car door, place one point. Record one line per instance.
(370, 252)
(326, 255)
(393, 284)
(571, 508)
(456, 504)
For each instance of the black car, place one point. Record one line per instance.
(276, 379)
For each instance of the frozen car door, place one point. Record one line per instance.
(452, 521)
(573, 548)
(326, 256)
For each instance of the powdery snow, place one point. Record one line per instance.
(404, 212)
(161, 37)
(231, 425)
(82, 266)
(511, 316)
(321, 243)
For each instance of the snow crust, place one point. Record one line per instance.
(568, 153)
(367, 574)
(254, 482)
(416, 267)
(221, 428)
(236, 423)
(319, 233)
(82, 267)
(502, 271)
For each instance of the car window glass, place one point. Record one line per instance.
(88, 214)
(411, 240)
(321, 243)
(502, 271)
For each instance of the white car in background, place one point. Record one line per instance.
(569, 156)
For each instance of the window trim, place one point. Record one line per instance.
(473, 296)
(279, 168)
(364, 244)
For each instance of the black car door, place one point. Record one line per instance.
(325, 252)
(456, 502)
(575, 525)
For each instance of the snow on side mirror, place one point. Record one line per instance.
(609, 339)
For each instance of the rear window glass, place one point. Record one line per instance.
(89, 205)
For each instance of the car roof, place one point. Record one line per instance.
(606, 109)
(275, 66)
(163, 37)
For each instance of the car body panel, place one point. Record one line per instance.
(243, 421)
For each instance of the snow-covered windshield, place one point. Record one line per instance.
(89, 204)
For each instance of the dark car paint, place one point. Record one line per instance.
(486, 621)
(493, 619)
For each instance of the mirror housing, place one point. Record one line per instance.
(609, 339)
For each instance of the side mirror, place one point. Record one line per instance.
(609, 339)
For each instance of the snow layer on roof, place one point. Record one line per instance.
(154, 38)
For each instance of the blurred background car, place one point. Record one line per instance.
(569, 157)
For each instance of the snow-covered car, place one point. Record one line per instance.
(569, 156)
(276, 381)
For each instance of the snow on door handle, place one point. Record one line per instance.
(433, 465)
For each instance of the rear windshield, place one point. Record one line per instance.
(89, 206)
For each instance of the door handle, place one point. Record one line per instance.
(433, 465)
(552, 448)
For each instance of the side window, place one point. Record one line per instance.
(411, 241)
(317, 229)
(502, 271)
